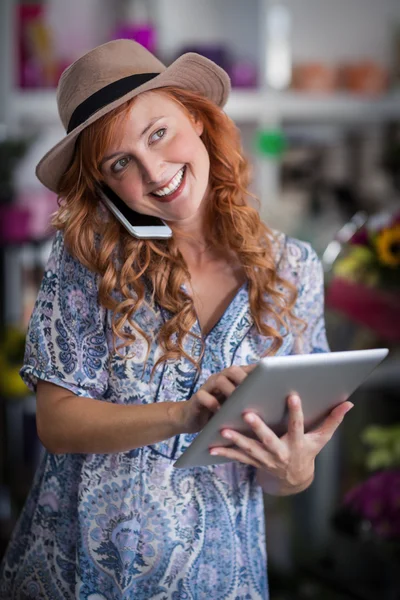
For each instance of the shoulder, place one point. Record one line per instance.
(294, 257)
(65, 270)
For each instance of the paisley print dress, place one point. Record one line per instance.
(128, 526)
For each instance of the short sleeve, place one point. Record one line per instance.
(310, 304)
(66, 341)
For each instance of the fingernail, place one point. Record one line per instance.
(349, 408)
(249, 418)
(214, 452)
(226, 434)
(294, 399)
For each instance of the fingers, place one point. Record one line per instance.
(225, 382)
(208, 401)
(222, 385)
(269, 440)
(325, 431)
(235, 454)
(237, 374)
(253, 449)
(296, 419)
(249, 368)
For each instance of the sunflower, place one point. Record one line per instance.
(388, 246)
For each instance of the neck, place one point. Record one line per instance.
(196, 253)
(192, 241)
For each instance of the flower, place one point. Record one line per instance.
(364, 284)
(360, 237)
(388, 246)
(377, 500)
(358, 265)
(372, 507)
(384, 446)
(371, 256)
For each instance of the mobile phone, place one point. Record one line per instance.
(137, 224)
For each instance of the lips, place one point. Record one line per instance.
(169, 182)
(175, 194)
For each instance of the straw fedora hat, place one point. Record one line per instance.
(108, 76)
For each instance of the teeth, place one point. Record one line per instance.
(171, 187)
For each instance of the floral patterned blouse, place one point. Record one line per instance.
(128, 525)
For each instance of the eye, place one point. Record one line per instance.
(160, 133)
(120, 164)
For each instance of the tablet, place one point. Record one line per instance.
(322, 381)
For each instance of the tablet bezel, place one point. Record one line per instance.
(339, 374)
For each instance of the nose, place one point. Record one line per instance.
(152, 170)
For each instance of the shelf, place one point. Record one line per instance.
(248, 106)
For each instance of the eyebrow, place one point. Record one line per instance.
(110, 156)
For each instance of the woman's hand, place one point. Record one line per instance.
(198, 410)
(285, 465)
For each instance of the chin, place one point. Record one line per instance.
(185, 212)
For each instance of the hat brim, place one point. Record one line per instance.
(190, 71)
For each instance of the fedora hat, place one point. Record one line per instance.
(108, 76)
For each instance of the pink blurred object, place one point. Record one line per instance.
(14, 224)
(143, 34)
(368, 306)
(378, 500)
(243, 74)
(37, 63)
(29, 69)
(360, 238)
(41, 204)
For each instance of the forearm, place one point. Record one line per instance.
(70, 424)
(274, 487)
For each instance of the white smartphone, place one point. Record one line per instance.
(137, 224)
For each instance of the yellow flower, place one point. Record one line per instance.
(357, 265)
(388, 246)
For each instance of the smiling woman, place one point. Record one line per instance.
(212, 210)
(134, 343)
(147, 165)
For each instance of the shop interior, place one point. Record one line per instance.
(316, 97)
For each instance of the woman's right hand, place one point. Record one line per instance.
(198, 410)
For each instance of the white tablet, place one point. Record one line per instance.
(322, 381)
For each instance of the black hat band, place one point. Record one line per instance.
(105, 96)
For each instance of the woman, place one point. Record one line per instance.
(133, 344)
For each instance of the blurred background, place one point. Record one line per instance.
(316, 96)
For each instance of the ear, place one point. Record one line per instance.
(198, 124)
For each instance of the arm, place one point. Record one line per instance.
(67, 423)
(67, 364)
(70, 423)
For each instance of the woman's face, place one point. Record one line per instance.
(158, 152)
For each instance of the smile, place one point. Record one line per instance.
(173, 189)
(172, 186)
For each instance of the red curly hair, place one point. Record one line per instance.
(127, 266)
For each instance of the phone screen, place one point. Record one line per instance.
(136, 219)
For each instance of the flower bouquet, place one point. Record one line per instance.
(365, 283)
(367, 522)
(371, 509)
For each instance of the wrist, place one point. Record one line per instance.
(176, 416)
(275, 487)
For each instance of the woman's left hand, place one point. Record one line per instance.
(285, 465)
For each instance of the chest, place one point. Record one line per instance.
(212, 293)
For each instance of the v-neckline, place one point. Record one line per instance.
(227, 310)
